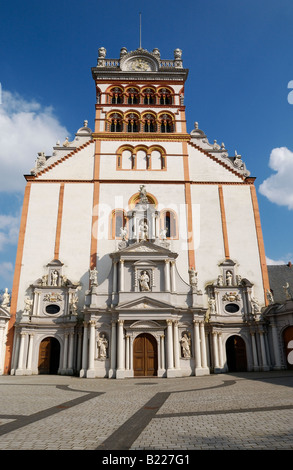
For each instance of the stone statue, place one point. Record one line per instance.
(5, 299)
(163, 234)
(94, 276)
(123, 233)
(185, 345)
(44, 281)
(28, 303)
(102, 52)
(220, 280)
(144, 281)
(287, 290)
(255, 306)
(212, 305)
(193, 277)
(229, 278)
(143, 194)
(73, 303)
(103, 346)
(270, 297)
(54, 278)
(143, 233)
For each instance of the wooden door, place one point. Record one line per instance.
(49, 355)
(145, 356)
(236, 354)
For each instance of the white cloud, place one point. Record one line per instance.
(6, 272)
(26, 128)
(277, 262)
(278, 188)
(9, 228)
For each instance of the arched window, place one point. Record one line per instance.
(115, 122)
(116, 95)
(149, 96)
(150, 124)
(133, 96)
(118, 221)
(132, 123)
(167, 123)
(169, 223)
(165, 96)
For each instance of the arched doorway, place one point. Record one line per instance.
(49, 356)
(288, 345)
(236, 354)
(145, 356)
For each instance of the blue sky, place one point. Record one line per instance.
(239, 56)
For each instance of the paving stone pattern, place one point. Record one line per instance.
(226, 412)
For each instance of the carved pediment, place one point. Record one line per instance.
(4, 313)
(145, 325)
(145, 303)
(146, 247)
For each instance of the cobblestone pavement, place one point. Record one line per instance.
(227, 411)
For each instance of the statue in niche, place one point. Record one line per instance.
(94, 276)
(144, 229)
(229, 278)
(270, 297)
(144, 281)
(103, 346)
(54, 278)
(212, 305)
(5, 298)
(185, 345)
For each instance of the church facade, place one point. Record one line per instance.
(140, 248)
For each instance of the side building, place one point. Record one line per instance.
(140, 249)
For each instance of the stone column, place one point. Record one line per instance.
(78, 363)
(65, 354)
(167, 275)
(170, 352)
(70, 355)
(114, 277)
(173, 277)
(162, 337)
(112, 371)
(127, 357)
(220, 345)
(91, 366)
(254, 351)
(19, 370)
(120, 353)
(176, 347)
(277, 365)
(197, 355)
(204, 362)
(263, 351)
(30, 353)
(84, 350)
(121, 275)
(215, 351)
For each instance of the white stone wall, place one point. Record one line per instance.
(242, 236)
(39, 242)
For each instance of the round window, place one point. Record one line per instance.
(52, 309)
(232, 308)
